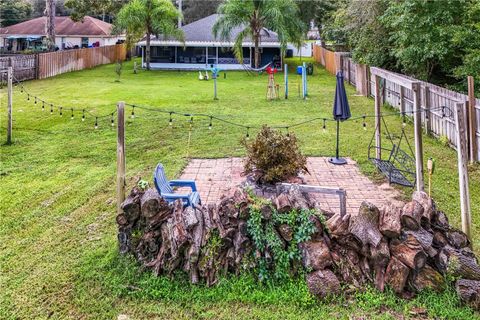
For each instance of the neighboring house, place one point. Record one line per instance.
(30, 35)
(201, 49)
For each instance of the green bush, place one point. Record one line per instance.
(273, 157)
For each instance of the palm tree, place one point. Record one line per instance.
(149, 17)
(256, 16)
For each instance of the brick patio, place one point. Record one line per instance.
(214, 176)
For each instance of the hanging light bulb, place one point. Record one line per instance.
(28, 97)
(248, 134)
(288, 133)
(83, 115)
(170, 122)
(51, 108)
(72, 115)
(96, 123)
(43, 105)
(210, 124)
(364, 123)
(35, 100)
(112, 121)
(324, 128)
(133, 112)
(61, 113)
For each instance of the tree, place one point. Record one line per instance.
(318, 11)
(194, 10)
(39, 6)
(104, 9)
(50, 24)
(149, 17)
(14, 11)
(421, 32)
(254, 17)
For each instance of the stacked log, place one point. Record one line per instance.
(408, 249)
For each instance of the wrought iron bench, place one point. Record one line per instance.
(399, 168)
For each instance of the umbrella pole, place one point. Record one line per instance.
(338, 139)
(337, 160)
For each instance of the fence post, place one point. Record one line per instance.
(120, 155)
(417, 117)
(9, 104)
(402, 99)
(462, 168)
(472, 118)
(428, 116)
(378, 105)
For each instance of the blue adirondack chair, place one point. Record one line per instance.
(165, 188)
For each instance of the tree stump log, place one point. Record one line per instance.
(396, 275)
(411, 214)
(131, 207)
(390, 225)
(282, 203)
(427, 203)
(364, 225)
(323, 283)
(380, 256)
(457, 238)
(338, 225)
(469, 292)
(427, 278)
(409, 251)
(150, 203)
(457, 263)
(315, 255)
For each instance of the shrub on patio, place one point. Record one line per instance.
(273, 157)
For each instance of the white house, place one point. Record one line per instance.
(30, 35)
(201, 49)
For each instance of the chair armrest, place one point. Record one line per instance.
(175, 196)
(183, 183)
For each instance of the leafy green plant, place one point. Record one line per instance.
(278, 259)
(142, 184)
(273, 156)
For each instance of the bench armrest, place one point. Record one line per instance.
(175, 196)
(183, 183)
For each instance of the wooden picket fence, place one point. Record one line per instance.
(438, 102)
(55, 63)
(50, 64)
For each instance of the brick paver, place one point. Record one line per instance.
(215, 176)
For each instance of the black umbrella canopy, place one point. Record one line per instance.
(341, 109)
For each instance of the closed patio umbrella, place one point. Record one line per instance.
(341, 112)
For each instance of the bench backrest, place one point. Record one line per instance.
(160, 180)
(404, 162)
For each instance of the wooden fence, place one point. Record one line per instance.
(45, 65)
(25, 67)
(437, 102)
(54, 63)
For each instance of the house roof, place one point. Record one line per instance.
(64, 26)
(200, 31)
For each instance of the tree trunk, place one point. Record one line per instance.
(147, 51)
(50, 24)
(257, 49)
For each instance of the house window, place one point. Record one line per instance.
(84, 42)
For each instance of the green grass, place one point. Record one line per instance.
(58, 254)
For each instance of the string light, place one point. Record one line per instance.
(112, 121)
(288, 133)
(72, 115)
(133, 112)
(83, 115)
(28, 97)
(170, 122)
(43, 105)
(364, 122)
(248, 133)
(51, 108)
(210, 124)
(35, 100)
(96, 123)
(61, 113)
(324, 128)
